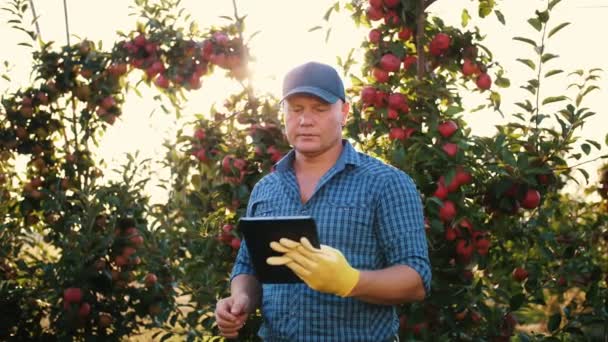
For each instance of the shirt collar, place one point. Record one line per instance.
(349, 156)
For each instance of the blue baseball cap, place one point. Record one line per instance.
(320, 80)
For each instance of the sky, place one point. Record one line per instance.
(284, 41)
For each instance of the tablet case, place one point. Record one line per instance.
(260, 231)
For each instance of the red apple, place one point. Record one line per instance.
(405, 34)
(391, 18)
(376, 3)
(450, 149)
(392, 114)
(235, 243)
(150, 279)
(390, 62)
(446, 129)
(368, 95)
(227, 228)
(128, 251)
(397, 101)
(375, 36)
(227, 163)
(162, 82)
(194, 82)
(442, 41)
(201, 155)
(381, 99)
(121, 261)
(469, 68)
(199, 134)
(392, 3)
(140, 40)
(374, 14)
(464, 249)
(483, 246)
(520, 274)
(380, 75)
(117, 69)
(240, 164)
(137, 240)
(396, 133)
(72, 295)
(462, 176)
(85, 310)
(221, 38)
(484, 81)
(531, 199)
(408, 61)
(105, 320)
(441, 192)
(108, 102)
(451, 233)
(447, 212)
(42, 98)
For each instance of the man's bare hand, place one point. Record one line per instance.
(231, 314)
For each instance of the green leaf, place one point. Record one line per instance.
(327, 35)
(585, 174)
(453, 110)
(314, 28)
(525, 40)
(547, 57)
(552, 99)
(516, 301)
(535, 23)
(328, 13)
(502, 82)
(554, 322)
(500, 16)
(594, 143)
(586, 148)
(557, 29)
(464, 18)
(527, 62)
(553, 3)
(485, 8)
(606, 140)
(553, 72)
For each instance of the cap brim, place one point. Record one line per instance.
(318, 92)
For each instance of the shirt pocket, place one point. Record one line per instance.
(266, 207)
(349, 227)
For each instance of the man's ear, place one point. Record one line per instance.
(345, 110)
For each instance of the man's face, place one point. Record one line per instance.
(313, 126)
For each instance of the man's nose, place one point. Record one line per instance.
(306, 119)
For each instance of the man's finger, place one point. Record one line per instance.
(278, 261)
(277, 247)
(289, 243)
(301, 260)
(308, 245)
(299, 270)
(225, 316)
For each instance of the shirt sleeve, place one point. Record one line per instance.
(242, 264)
(401, 226)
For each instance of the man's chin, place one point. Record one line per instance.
(308, 149)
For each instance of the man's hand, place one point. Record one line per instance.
(325, 269)
(231, 314)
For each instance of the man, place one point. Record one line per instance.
(369, 218)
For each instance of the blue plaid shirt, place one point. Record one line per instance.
(368, 210)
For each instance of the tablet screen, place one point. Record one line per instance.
(260, 231)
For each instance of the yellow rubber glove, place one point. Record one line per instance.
(324, 270)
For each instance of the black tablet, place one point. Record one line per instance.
(260, 231)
